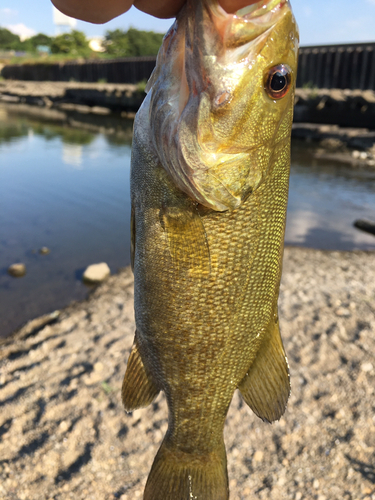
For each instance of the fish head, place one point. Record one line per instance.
(222, 98)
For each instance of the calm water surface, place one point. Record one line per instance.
(68, 189)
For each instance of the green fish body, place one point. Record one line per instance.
(209, 185)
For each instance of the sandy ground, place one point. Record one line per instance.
(64, 434)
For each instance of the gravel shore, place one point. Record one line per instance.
(64, 433)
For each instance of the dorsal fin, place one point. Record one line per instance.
(266, 386)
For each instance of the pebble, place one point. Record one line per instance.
(366, 367)
(96, 273)
(258, 456)
(98, 366)
(343, 311)
(17, 270)
(44, 251)
(61, 386)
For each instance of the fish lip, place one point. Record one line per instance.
(259, 8)
(251, 12)
(255, 20)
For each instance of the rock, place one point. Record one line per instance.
(342, 311)
(17, 270)
(365, 225)
(96, 273)
(60, 393)
(366, 367)
(258, 456)
(332, 143)
(44, 251)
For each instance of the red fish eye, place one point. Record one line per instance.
(278, 80)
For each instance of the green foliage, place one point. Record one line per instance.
(75, 136)
(141, 86)
(144, 43)
(73, 43)
(8, 40)
(119, 43)
(309, 85)
(10, 131)
(107, 388)
(116, 43)
(41, 39)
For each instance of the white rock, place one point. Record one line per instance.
(366, 367)
(17, 270)
(96, 273)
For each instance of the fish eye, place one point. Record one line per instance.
(278, 80)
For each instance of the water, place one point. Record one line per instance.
(68, 189)
(325, 198)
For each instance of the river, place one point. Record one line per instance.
(67, 188)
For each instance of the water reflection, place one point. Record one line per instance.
(72, 155)
(325, 199)
(72, 128)
(64, 184)
(66, 189)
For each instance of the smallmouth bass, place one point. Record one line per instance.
(209, 188)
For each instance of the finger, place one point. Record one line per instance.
(165, 9)
(93, 11)
(162, 9)
(231, 6)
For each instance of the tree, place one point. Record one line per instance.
(40, 39)
(73, 43)
(8, 40)
(116, 43)
(119, 43)
(144, 43)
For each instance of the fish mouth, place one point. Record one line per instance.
(259, 9)
(204, 81)
(249, 24)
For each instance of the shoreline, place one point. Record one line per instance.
(340, 122)
(65, 434)
(34, 325)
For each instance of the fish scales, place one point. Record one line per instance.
(209, 187)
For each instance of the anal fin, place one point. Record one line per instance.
(266, 386)
(138, 388)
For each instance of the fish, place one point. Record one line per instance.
(209, 190)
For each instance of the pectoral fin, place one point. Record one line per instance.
(138, 388)
(186, 237)
(266, 386)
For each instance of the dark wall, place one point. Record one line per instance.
(124, 70)
(350, 66)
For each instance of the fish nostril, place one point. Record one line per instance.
(222, 98)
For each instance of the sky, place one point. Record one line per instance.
(320, 21)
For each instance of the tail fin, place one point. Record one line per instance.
(176, 475)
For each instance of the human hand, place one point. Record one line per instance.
(101, 11)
